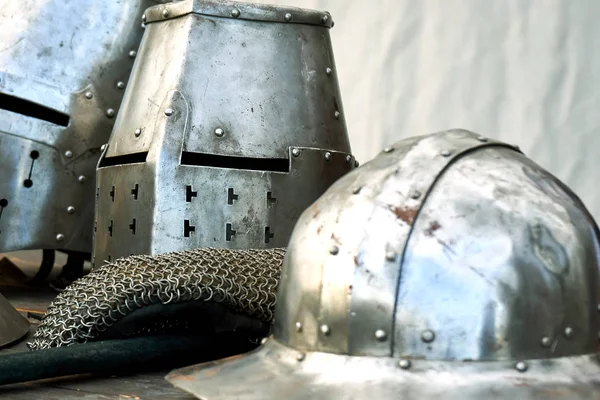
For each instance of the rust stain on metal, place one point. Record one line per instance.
(356, 261)
(433, 226)
(183, 378)
(315, 210)
(406, 214)
(335, 239)
(319, 229)
(210, 373)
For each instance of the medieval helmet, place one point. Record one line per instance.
(450, 266)
(63, 70)
(232, 124)
(13, 325)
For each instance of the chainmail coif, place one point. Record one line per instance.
(243, 280)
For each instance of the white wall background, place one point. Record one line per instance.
(523, 71)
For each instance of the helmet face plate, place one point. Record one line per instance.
(450, 264)
(62, 78)
(198, 165)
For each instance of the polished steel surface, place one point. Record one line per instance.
(528, 252)
(277, 372)
(367, 218)
(228, 131)
(264, 85)
(69, 59)
(449, 266)
(13, 325)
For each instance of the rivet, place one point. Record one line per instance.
(144, 18)
(110, 113)
(546, 341)
(598, 308)
(325, 18)
(325, 330)
(446, 153)
(568, 331)
(415, 195)
(264, 340)
(169, 112)
(132, 53)
(81, 178)
(334, 250)
(521, 366)
(103, 147)
(235, 13)
(68, 154)
(300, 357)
(348, 159)
(298, 326)
(89, 95)
(165, 13)
(337, 115)
(121, 85)
(70, 209)
(428, 336)
(356, 190)
(390, 256)
(356, 164)
(60, 237)
(143, 25)
(388, 149)
(327, 156)
(328, 71)
(404, 364)
(482, 139)
(288, 17)
(219, 132)
(137, 132)
(295, 152)
(380, 335)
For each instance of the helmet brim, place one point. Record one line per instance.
(274, 372)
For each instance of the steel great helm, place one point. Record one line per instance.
(231, 126)
(450, 266)
(64, 66)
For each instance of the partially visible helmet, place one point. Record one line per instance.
(64, 66)
(231, 126)
(450, 266)
(13, 325)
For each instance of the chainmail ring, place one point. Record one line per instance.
(243, 280)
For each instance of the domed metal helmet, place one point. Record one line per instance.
(231, 126)
(63, 70)
(450, 266)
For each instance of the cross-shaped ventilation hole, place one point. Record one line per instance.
(134, 191)
(231, 196)
(132, 227)
(187, 228)
(229, 232)
(271, 201)
(268, 235)
(189, 194)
